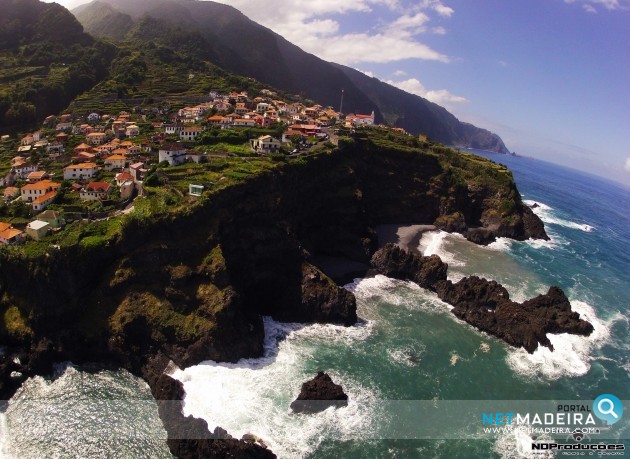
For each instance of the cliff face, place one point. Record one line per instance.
(195, 286)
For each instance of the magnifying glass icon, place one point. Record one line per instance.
(610, 407)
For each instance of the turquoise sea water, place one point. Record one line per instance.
(409, 352)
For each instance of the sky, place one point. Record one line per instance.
(551, 77)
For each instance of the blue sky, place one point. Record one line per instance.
(551, 77)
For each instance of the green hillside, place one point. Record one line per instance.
(46, 60)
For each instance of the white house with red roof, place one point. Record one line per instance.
(95, 191)
(80, 171)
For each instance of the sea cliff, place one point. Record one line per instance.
(192, 286)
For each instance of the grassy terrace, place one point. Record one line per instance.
(166, 187)
(166, 195)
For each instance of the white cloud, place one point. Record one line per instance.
(366, 72)
(611, 5)
(316, 26)
(627, 165)
(400, 73)
(440, 96)
(443, 10)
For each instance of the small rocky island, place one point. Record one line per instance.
(319, 394)
(192, 284)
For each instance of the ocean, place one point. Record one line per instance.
(407, 355)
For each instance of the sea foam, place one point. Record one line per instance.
(433, 243)
(253, 395)
(572, 354)
(548, 215)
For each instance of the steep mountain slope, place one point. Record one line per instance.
(277, 62)
(46, 60)
(103, 20)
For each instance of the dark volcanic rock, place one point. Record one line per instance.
(318, 394)
(481, 236)
(533, 225)
(392, 261)
(324, 301)
(315, 299)
(472, 291)
(189, 437)
(534, 206)
(486, 305)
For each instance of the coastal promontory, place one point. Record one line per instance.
(189, 278)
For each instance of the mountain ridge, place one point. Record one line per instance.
(281, 64)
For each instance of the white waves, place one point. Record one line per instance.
(253, 395)
(548, 215)
(572, 354)
(433, 243)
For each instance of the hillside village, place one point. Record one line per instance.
(94, 166)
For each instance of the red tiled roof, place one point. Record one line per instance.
(48, 196)
(98, 186)
(44, 184)
(81, 166)
(10, 233)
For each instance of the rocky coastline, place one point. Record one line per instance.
(485, 304)
(195, 287)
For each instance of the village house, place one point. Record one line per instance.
(193, 156)
(44, 201)
(122, 177)
(95, 138)
(62, 137)
(40, 144)
(22, 170)
(63, 127)
(138, 171)
(126, 189)
(171, 129)
(82, 147)
(262, 107)
(115, 162)
(37, 229)
(265, 144)
(53, 148)
(95, 191)
(191, 133)
(80, 171)
(132, 131)
(286, 135)
(84, 156)
(173, 153)
(10, 235)
(358, 119)
(52, 217)
(28, 140)
(32, 191)
(217, 120)
(240, 122)
(240, 108)
(36, 176)
(306, 129)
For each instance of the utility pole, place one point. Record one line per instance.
(341, 104)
